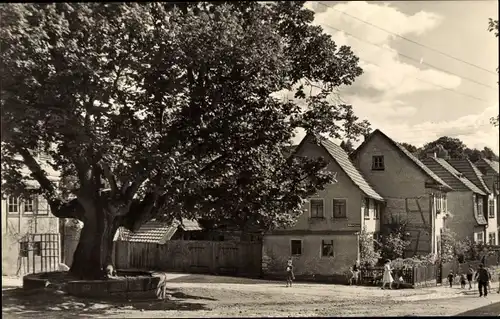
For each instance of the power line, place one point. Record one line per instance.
(409, 40)
(373, 63)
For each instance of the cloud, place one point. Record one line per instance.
(474, 130)
(383, 69)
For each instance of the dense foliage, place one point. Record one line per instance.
(170, 107)
(452, 147)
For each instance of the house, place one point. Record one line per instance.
(465, 202)
(325, 239)
(491, 177)
(158, 232)
(415, 195)
(28, 228)
(489, 202)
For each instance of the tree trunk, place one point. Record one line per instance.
(94, 250)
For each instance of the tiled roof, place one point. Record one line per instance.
(471, 172)
(457, 179)
(341, 157)
(155, 232)
(409, 155)
(493, 164)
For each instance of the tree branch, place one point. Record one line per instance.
(47, 187)
(110, 178)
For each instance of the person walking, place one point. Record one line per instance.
(483, 276)
(450, 278)
(289, 273)
(387, 278)
(470, 274)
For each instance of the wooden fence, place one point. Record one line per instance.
(416, 276)
(210, 257)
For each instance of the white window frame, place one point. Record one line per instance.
(478, 236)
(321, 248)
(366, 207)
(301, 246)
(333, 208)
(14, 204)
(30, 201)
(377, 208)
(491, 208)
(310, 207)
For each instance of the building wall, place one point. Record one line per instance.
(492, 219)
(400, 180)
(17, 225)
(277, 249)
(343, 189)
(461, 207)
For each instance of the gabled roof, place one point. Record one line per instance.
(340, 156)
(407, 154)
(155, 232)
(458, 180)
(494, 165)
(471, 172)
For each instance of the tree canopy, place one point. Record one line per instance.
(454, 148)
(170, 107)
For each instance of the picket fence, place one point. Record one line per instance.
(416, 276)
(209, 257)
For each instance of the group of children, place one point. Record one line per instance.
(482, 276)
(463, 278)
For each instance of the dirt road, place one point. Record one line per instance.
(209, 296)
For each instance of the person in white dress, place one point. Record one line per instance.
(387, 278)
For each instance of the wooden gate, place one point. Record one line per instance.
(227, 258)
(38, 253)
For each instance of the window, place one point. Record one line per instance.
(378, 163)
(479, 238)
(13, 205)
(296, 247)
(491, 206)
(445, 204)
(339, 208)
(492, 239)
(367, 208)
(28, 205)
(327, 248)
(377, 210)
(439, 203)
(480, 206)
(317, 208)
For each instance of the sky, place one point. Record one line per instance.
(412, 92)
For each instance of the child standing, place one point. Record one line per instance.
(450, 278)
(462, 281)
(289, 273)
(470, 273)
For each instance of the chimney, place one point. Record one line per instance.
(431, 155)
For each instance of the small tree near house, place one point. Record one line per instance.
(369, 256)
(393, 242)
(166, 110)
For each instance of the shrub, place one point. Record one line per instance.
(393, 246)
(368, 254)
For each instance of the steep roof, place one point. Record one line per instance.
(340, 156)
(494, 165)
(155, 232)
(406, 153)
(471, 172)
(453, 177)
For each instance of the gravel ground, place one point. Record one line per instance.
(210, 296)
